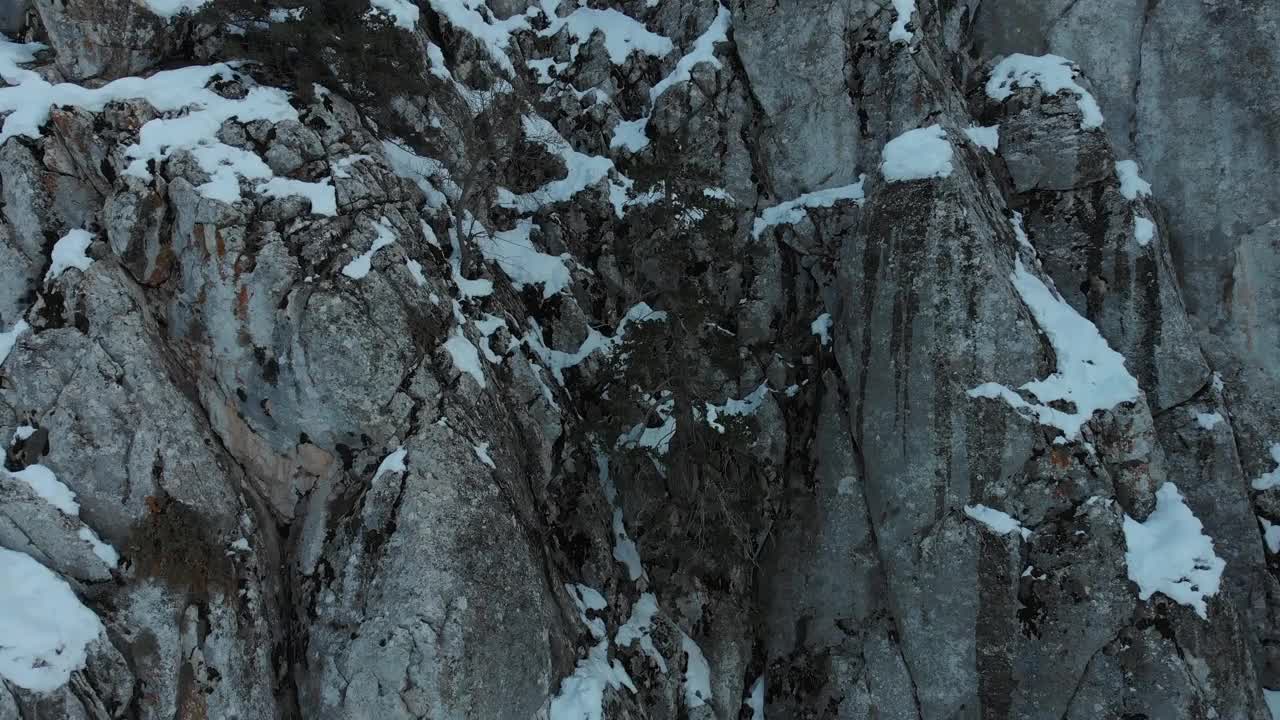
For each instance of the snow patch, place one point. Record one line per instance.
(638, 627)
(624, 548)
(903, 10)
(68, 253)
(630, 134)
(623, 35)
(10, 338)
(23, 432)
(793, 211)
(581, 695)
(1052, 73)
(358, 268)
(697, 674)
(464, 355)
(322, 195)
(393, 463)
(522, 262)
(1270, 534)
(1265, 481)
(1144, 231)
(105, 552)
(755, 699)
(1208, 421)
(557, 361)
(1090, 374)
(733, 407)
(821, 326)
(50, 489)
(918, 154)
(1132, 186)
(493, 34)
(583, 170)
(987, 138)
(1000, 522)
(404, 13)
(45, 627)
(168, 8)
(1170, 554)
(482, 452)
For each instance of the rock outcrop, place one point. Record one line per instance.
(651, 360)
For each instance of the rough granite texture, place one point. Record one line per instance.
(221, 396)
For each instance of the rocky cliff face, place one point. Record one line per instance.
(662, 359)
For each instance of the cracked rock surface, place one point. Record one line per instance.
(614, 372)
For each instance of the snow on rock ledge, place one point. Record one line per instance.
(1090, 374)
(1052, 73)
(919, 154)
(1170, 554)
(44, 629)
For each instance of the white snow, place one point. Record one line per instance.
(1020, 232)
(1052, 73)
(917, 154)
(68, 252)
(23, 432)
(465, 356)
(1144, 231)
(638, 627)
(755, 700)
(903, 10)
(704, 51)
(1270, 534)
(482, 452)
(199, 113)
(467, 288)
(415, 270)
(521, 261)
(341, 167)
(558, 361)
(1264, 481)
(10, 338)
(47, 485)
(793, 211)
(1132, 186)
(240, 545)
(624, 548)
(358, 268)
(495, 36)
(105, 552)
(1090, 374)
(44, 626)
(323, 196)
(821, 326)
(393, 463)
(1272, 698)
(1170, 554)
(623, 35)
(1000, 522)
(581, 695)
(987, 138)
(1208, 421)
(658, 438)
(168, 8)
(735, 407)
(697, 674)
(488, 325)
(425, 172)
(404, 13)
(583, 170)
(630, 134)
(1216, 382)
